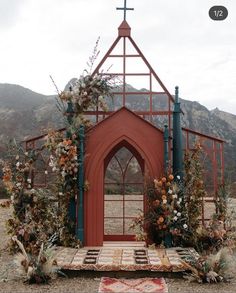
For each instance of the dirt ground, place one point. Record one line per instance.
(88, 281)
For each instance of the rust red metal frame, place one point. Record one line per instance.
(214, 153)
(216, 159)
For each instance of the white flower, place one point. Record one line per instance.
(29, 180)
(17, 157)
(178, 177)
(164, 201)
(46, 172)
(174, 195)
(26, 153)
(54, 169)
(170, 191)
(185, 226)
(175, 212)
(17, 164)
(175, 218)
(60, 193)
(180, 200)
(178, 214)
(18, 184)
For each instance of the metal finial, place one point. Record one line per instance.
(125, 8)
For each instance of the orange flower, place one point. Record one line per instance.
(67, 142)
(161, 219)
(163, 191)
(171, 177)
(163, 179)
(62, 161)
(157, 183)
(163, 197)
(6, 177)
(156, 203)
(168, 184)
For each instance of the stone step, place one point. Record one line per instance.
(124, 244)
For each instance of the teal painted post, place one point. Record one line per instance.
(80, 204)
(166, 152)
(177, 138)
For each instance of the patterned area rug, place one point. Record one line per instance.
(125, 259)
(157, 285)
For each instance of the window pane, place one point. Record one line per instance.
(133, 208)
(113, 226)
(133, 172)
(113, 209)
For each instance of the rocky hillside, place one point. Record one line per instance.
(24, 113)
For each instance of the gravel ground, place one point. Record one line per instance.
(88, 281)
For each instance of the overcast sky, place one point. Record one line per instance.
(184, 46)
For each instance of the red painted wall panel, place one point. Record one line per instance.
(123, 128)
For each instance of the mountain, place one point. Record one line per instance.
(24, 114)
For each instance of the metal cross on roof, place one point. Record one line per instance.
(124, 8)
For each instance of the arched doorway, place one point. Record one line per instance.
(123, 192)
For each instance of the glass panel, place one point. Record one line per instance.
(133, 197)
(113, 209)
(133, 208)
(113, 196)
(128, 230)
(133, 189)
(123, 156)
(113, 189)
(113, 226)
(133, 172)
(113, 172)
(138, 102)
(209, 210)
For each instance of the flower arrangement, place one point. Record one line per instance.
(88, 92)
(34, 211)
(64, 163)
(166, 215)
